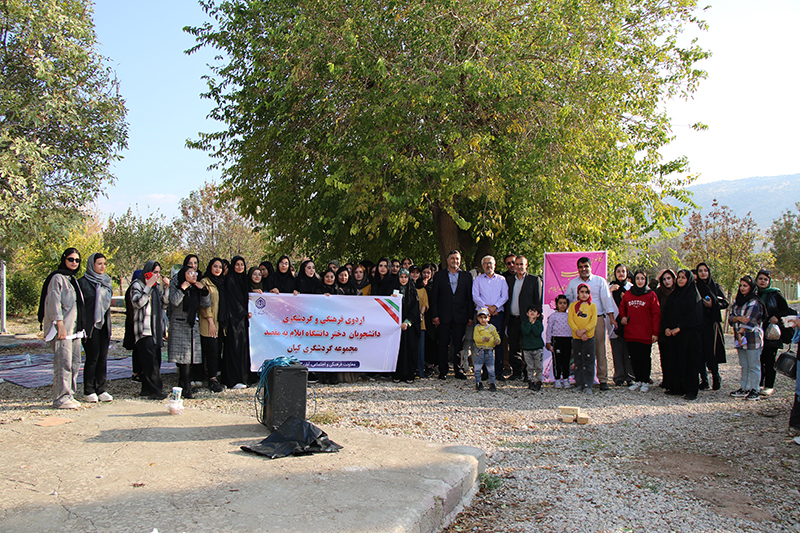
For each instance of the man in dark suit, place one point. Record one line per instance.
(524, 290)
(451, 310)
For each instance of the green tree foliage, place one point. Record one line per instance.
(32, 262)
(210, 227)
(134, 240)
(360, 126)
(785, 235)
(727, 243)
(62, 121)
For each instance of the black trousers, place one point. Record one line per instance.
(514, 346)
(210, 347)
(95, 367)
(150, 361)
(452, 332)
(768, 355)
(639, 353)
(562, 353)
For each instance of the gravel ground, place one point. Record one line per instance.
(645, 462)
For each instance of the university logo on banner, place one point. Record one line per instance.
(326, 333)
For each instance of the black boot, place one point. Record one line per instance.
(185, 380)
(716, 381)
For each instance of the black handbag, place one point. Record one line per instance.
(786, 364)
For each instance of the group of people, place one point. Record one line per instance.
(206, 316)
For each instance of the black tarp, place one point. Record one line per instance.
(294, 437)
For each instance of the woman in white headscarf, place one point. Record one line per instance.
(96, 288)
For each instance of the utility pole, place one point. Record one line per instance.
(3, 297)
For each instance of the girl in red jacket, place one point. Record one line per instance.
(640, 313)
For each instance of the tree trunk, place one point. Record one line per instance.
(446, 231)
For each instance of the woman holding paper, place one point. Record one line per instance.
(61, 315)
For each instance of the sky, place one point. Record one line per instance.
(749, 100)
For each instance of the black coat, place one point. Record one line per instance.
(776, 306)
(89, 296)
(451, 307)
(531, 293)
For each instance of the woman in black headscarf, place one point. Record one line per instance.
(128, 340)
(236, 359)
(666, 345)
(623, 369)
(186, 296)
(307, 281)
(329, 285)
(344, 282)
(684, 321)
(383, 281)
(776, 308)
(211, 317)
(713, 342)
(256, 278)
(409, 337)
(282, 281)
(61, 310)
(266, 271)
(97, 290)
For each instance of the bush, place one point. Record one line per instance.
(23, 294)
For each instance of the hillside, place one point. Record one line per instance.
(764, 197)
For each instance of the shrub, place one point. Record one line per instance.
(23, 294)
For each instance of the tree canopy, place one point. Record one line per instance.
(785, 235)
(210, 227)
(355, 126)
(727, 243)
(62, 121)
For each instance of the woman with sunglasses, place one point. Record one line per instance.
(61, 315)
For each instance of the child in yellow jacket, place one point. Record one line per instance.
(582, 318)
(486, 337)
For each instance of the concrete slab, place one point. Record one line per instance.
(130, 467)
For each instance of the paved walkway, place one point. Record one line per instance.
(128, 466)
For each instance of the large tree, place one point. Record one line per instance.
(211, 227)
(727, 243)
(785, 235)
(364, 125)
(134, 240)
(62, 121)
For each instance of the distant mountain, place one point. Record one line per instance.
(764, 197)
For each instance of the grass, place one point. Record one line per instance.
(490, 482)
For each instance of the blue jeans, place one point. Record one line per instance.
(750, 361)
(484, 357)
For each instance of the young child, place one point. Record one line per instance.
(486, 338)
(559, 341)
(582, 317)
(533, 347)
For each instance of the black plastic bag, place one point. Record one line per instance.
(294, 437)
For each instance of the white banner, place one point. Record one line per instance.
(326, 333)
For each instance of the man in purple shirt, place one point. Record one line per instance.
(490, 290)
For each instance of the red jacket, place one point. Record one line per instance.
(644, 316)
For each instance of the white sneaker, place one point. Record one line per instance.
(68, 404)
(559, 384)
(636, 385)
(105, 397)
(90, 398)
(766, 392)
(645, 387)
(239, 386)
(567, 384)
(796, 440)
